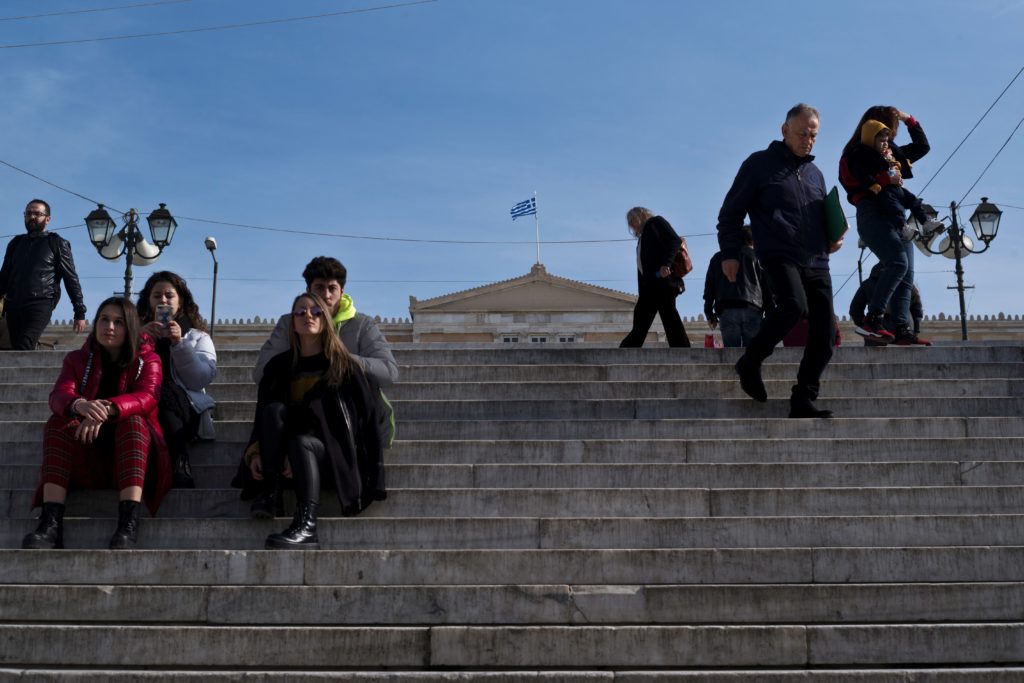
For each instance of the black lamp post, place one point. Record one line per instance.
(129, 241)
(211, 244)
(957, 245)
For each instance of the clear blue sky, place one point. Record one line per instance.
(432, 121)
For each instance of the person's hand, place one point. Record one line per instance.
(88, 429)
(286, 471)
(81, 326)
(833, 247)
(256, 467)
(664, 271)
(91, 410)
(903, 116)
(154, 329)
(730, 267)
(173, 332)
(712, 323)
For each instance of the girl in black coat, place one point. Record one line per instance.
(657, 244)
(318, 412)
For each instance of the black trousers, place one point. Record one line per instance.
(178, 430)
(305, 452)
(651, 301)
(26, 323)
(798, 292)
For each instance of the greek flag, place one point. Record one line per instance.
(525, 208)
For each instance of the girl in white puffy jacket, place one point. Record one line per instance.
(171, 317)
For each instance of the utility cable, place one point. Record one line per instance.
(921, 192)
(94, 9)
(998, 152)
(222, 27)
(52, 184)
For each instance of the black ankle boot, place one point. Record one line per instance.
(268, 503)
(183, 472)
(50, 532)
(301, 535)
(127, 526)
(801, 404)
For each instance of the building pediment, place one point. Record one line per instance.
(536, 291)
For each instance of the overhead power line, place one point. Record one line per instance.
(957, 149)
(222, 27)
(996, 156)
(52, 184)
(94, 9)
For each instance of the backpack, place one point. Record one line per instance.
(682, 264)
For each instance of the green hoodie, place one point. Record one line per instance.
(346, 311)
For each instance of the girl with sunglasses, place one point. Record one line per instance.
(318, 418)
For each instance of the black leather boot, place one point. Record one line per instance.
(801, 404)
(183, 472)
(127, 526)
(50, 532)
(269, 502)
(301, 535)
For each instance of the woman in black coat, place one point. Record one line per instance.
(318, 412)
(657, 244)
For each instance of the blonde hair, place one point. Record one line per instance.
(339, 361)
(638, 215)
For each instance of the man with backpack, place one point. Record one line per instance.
(34, 265)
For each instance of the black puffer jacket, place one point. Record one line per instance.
(33, 267)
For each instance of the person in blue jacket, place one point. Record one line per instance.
(783, 193)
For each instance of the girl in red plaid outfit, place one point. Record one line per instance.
(104, 431)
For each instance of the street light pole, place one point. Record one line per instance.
(956, 245)
(129, 241)
(956, 238)
(211, 244)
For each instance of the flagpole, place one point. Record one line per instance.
(536, 221)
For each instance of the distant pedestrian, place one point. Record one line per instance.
(783, 192)
(34, 265)
(656, 247)
(737, 306)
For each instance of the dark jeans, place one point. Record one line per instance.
(26, 322)
(305, 452)
(739, 325)
(798, 292)
(660, 300)
(896, 280)
(178, 430)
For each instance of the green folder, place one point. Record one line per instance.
(835, 221)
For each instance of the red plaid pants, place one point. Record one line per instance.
(116, 459)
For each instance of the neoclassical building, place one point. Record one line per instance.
(537, 307)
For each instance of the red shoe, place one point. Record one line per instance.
(871, 328)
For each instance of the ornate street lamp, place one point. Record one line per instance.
(957, 245)
(129, 241)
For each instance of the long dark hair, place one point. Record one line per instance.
(338, 358)
(187, 306)
(883, 113)
(130, 346)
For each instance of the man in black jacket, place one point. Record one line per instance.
(34, 265)
(783, 192)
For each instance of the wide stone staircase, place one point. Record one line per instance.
(565, 514)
